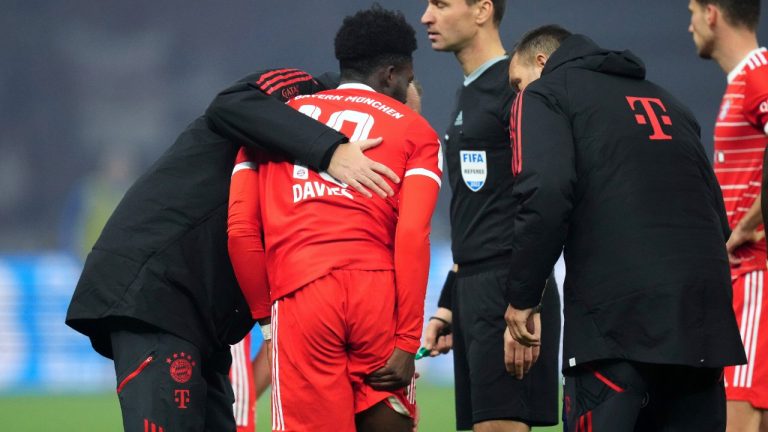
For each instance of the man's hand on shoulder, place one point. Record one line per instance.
(396, 374)
(352, 167)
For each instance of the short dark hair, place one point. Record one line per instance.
(744, 13)
(372, 38)
(545, 39)
(498, 9)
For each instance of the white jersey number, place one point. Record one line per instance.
(363, 122)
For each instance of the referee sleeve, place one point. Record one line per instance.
(545, 177)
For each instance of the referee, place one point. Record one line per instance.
(472, 304)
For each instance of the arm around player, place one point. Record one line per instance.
(252, 113)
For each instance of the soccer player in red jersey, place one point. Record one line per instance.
(725, 31)
(346, 276)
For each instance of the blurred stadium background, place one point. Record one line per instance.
(93, 92)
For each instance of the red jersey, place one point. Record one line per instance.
(313, 224)
(740, 141)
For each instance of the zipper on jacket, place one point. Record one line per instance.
(135, 373)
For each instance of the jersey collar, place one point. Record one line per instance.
(355, 86)
(735, 72)
(484, 67)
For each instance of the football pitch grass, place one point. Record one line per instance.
(78, 413)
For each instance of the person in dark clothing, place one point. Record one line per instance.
(495, 391)
(611, 166)
(157, 293)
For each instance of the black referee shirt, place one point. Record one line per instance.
(479, 159)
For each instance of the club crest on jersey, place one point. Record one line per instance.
(474, 168)
(300, 171)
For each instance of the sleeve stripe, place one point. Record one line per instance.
(262, 79)
(244, 165)
(287, 83)
(278, 81)
(516, 135)
(424, 172)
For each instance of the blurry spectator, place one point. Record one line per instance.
(93, 199)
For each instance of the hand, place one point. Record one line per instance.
(350, 165)
(739, 237)
(437, 336)
(518, 359)
(523, 327)
(396, 374)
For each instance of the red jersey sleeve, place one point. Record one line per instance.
(756, 97)
(418, 196)
(244, 231)
(425, 155)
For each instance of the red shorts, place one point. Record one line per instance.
(750, 382)
(326, 338)
(241, 376)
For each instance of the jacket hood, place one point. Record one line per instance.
(579, 51)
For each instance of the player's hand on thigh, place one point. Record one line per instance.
(518, 359)
(395, 374)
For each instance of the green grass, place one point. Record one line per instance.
(101, 412)
(60, 413)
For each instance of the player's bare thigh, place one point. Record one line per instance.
(743, 417)
(382, 418)
(764, 421)
(500, 426)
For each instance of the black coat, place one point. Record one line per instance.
(162, 256)
(611, 166)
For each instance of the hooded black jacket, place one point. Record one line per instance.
(611, 166)
(162, 256)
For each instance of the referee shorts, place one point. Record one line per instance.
(327, 337)
(484, 389)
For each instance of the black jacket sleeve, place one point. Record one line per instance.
(545, 169)
(252, 113)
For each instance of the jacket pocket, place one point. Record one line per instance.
(136, 372)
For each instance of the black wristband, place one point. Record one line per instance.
(446, 295)
(439, 319)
